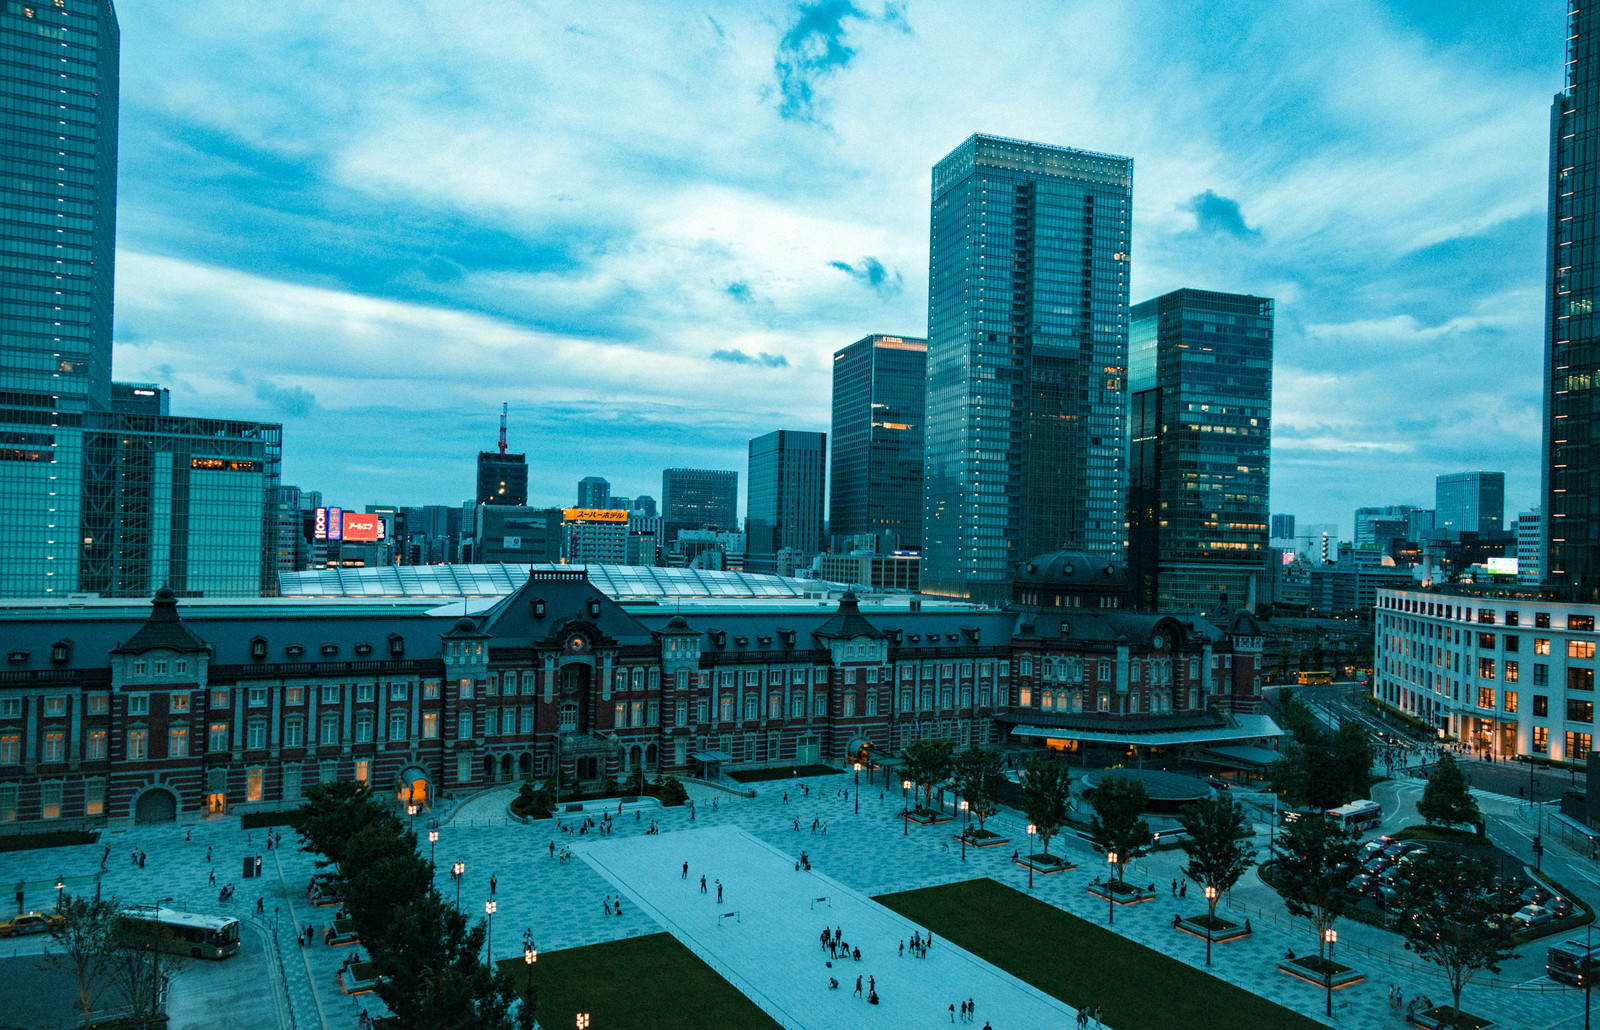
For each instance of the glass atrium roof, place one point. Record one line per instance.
(619, 582)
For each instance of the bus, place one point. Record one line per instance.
(1316, 678)
(1357, 815)
(1572, 962)
(185, 933)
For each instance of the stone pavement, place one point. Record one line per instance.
(869, 853)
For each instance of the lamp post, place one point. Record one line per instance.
(964, 826)
(61, 885)
(455, 872)
(858, 788)
(905, 811)
(1332, 937)
(583, 1021)
(488, 938)
(1211, 913)
(1032, 829)
(1111, 907)
(530, 955)
(433, 841)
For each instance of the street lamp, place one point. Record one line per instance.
(583, 1021)
(455, 872)
(61, 885)
(1211, 915)
(433, 840)
(1032, 829)
(964, 826)
(1111, 908)
(488, 939)
(858, 788)
(530, 955)
(905, 811)
(1332, 937)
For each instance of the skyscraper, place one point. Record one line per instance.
(879, 402)
(698, 499)
(1027, 357)
(1470, 502)
(58, 193)
(1570, 484)
(1200, 420)
(594, 492)
(787, 479)
(502, 477)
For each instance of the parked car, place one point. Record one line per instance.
(1529, 916)
(1537, 895)
(27, 922)
(1373, 848)
(1219, 783)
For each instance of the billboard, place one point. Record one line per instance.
(362, 527)
(328, 524)
(594, 515)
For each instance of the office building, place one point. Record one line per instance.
(1200, 429)
(594, 536)
(141, 399)
(879, 403)
(1530, 537)
(58, 194)
(502, 476)
(699, 499)
(1470, 502)
(506, 533)
(1282, 527)
(1027, 359)
(646, 504)
(594, 492)
(787, 480)
(1383, 527)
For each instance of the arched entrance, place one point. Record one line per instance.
(156, 805)
(525, 766)
(488, 769)
(506, 762)
(412, 786)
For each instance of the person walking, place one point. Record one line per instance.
(702, 883)
(685, 871)
(719, 892)
(212, 881)
(858, 987)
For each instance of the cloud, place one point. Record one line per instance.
(1216, 215)
(739, 357)
(295, 400)
(872, 274)
(812, 50)
(740, 291)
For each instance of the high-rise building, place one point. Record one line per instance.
(1380, 527)
(58, 194)
(879, 401)
(1570, 480)
(594, 492)
(1027, 359)
(1200, 426)
(1470, 502)
(1282, 527)
(698, 499)
(1529, 528)
(787, 479)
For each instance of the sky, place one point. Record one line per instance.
(647, 227)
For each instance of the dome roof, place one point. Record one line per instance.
(465, 625)
(1071, 570)
(678, 622)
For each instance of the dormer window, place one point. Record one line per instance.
(60, 651)
(294, 650)
(258, 649)
(719, 638)
(329, 650)
(363, 649)
(538, 607)
(16, 657)
(397, 645)
(594, 608)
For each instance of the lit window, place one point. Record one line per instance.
(177, 741)
(55, 747)
(178, 703)
(138, 745)
(95, 747)
(10, 748)
(430, 725)
(217, 739)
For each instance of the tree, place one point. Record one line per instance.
(1218, 843)
(143, 973)
(1119, 825)
(1316, 861)
(87, 939)
(1454, 918)
(1446, 800)
(1046, 788)
(977, 778)
(332, 814)
(1352, 754)
(927, 763)
(1319, 769)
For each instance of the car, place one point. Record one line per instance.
(1219, 783)
(1536, 895)
(27, 922)
(1373, 848)
(1377, 864)
(1365, 883)
(1561, 908)
(1529, 916)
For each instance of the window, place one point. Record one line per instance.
(619, 714)
(797, 706)
(1541, 706)
(430, 725)
(55, 747)
(10, 708)
(464, 725)
(363, 770)
(1541, 740)
(219, 698)
(1541, 675)
(55, 706)
(1485, 697)
(366, 692)
(849, 705)
(258, 697)
(1511, 702)
(1577, 746)
(100, 704)
(177, 741)
(138, 704)
(1486, 616)
(397, 725)
(1486, 640)
(819, 705)
(330, 693)
(252, 784)
(652, 714)
(1512, 643)
(1581, 622)
(294, 732)
(330, 728)
(255, 733)
(1025, 698)
(872, 702)
(8, 803)
(138, 745)
(1103, 703)
(1512, 618)
(1541, 645)
(50, 800)
(1486, 668)
(10, 748)
(1104, 672)
(430, 690)
(725, 706)
(527, 718)
(294, 695)
(1579, 711)
(363, 727)
(702, 709)
(1580, 679)
(1541, 620)
(94, 797)
(218, 739)
(464, 688)
(95, 747)
(680, 713)
(178, 703)
(1580, 649)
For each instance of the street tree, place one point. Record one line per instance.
(927, 764)
(1316, 861)
(86, 940)
(1119, 825)
(333, 813)
(1446, 799)
(1046, 789)
(143, 973)
(977, 774)
(1454, 918)
(1218, 843)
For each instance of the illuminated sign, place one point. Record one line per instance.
(320, 524)
(1504, 566)
(335, 523)
(593, 515)
(362, 527)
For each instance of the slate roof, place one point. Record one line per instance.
(163, 630)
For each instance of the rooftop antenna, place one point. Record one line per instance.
(502, 427)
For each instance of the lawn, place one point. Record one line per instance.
(649, 983)
(1081, 963)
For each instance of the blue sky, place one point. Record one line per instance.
(648, 226)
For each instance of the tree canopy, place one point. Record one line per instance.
(86, 939)
(1454, 917)
(1119, 825)
(927, 763)
(1316, 861)
(1218, 843)
(1446, 799)
(977, 773)
(1046, 789)
(1320, 769)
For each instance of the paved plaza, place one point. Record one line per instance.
(855, 855)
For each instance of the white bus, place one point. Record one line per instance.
(1357, 815)
(185, 933)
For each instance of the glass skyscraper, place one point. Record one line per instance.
(58, 192)
(1470, 502)
(1027, 359)
(1200, 422)
(699, 499)
(1571, 478)
(879, 405)
(783, 506)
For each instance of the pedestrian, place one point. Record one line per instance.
(963, 1012)
(1183, 890)
(208, 851)
(786, 797)
(552, 849)
(952, 1012)
(902, 948)
(618, 904)
(972, 1010)
(702, 883)
(492, 882)
(142, 858)
(261, 904)
(872, 985)
(858, 987)
(685, 871)
(187, 835)
(719, 892)
(605, 906)
(212, 881)
(1174, 888)
(1097, 1011)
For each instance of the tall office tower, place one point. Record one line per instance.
(1530, 527)
(698, 499)
(1282, 527)
(58, 194)
(502, 477)
(1380, 527)
(594, 492)
(788, 476)
(879, 401)
(1027, 358)
(646, 504)
(1470, 502)
(1200, 427)
(1570, 485)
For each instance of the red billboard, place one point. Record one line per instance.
(362, 527)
